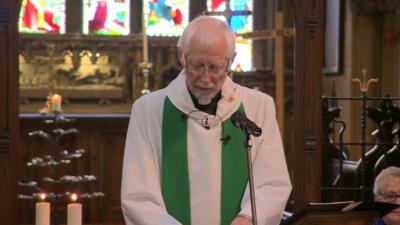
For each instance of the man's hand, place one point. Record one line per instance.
(241, 220)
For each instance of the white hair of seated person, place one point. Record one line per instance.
(380, 180)
(388, 182)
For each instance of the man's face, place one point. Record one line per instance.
(206, 70)
(390, 193)
(205, 75)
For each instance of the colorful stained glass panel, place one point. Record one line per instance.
(166, 17)
(243, 59)
(238, 20)
(216, 5)
(241, 23)
(42, 16)
(106, 17)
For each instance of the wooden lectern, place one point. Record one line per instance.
(340, 213)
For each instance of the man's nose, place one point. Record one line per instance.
(205, 76)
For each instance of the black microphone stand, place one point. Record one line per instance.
(251, 179)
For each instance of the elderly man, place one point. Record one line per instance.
(184, 160)
(387, 189)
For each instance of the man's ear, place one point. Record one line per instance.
(181, 57)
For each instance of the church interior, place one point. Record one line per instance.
(70, 71)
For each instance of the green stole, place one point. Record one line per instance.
(175, 170)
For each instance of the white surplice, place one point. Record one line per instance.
(141, 197)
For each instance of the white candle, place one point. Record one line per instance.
(42, 212)
(56, 103)
(74, 216)
(145, 41)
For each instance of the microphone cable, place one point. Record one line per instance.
(204, 122)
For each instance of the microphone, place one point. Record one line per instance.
(204, 123)
(240, 120)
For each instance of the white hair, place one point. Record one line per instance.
(208, 30)
(385, 174)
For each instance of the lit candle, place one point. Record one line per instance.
(42, 216)
(74, 216)
(56, 103)
(145, 41)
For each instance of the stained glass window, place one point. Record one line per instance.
(166, 17)
(106, 17)
(241, 20)
(42, 16)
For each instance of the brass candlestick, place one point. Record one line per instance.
(145, 67)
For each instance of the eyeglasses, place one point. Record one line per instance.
(389, 197)
(212, 70)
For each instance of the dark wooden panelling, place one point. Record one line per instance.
(8, 110)
(104, 139)
(74, 16)
(136, 21)
(197, 9)
(308, 16)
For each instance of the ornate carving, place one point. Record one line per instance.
(4, 19)
(310, 142)
(312, 23)
(3, 28)
(82, 65)
(375, 7)
(4, 13)
(5, 141)
(364, 84)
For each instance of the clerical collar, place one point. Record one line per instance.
(210, 108)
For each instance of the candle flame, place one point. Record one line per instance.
(42, 196)
(74, 197)
(56, 96)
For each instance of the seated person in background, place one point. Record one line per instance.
(387, 189)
